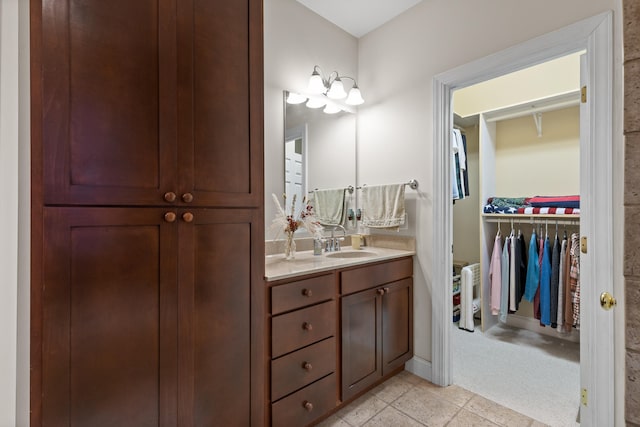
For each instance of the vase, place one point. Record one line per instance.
(289, 246)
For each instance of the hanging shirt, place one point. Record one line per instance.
(545, 285)
(455, 194)
(568, 294)
(555, 278)
(574, 278)
(561, 285)
(457, 151)
(512, 273)
(533, 270)
(495, 275)
(521, 261)
(504, 293)
(465, 183)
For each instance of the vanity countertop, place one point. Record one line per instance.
(276, 267)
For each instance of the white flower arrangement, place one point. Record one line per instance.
(290, 222)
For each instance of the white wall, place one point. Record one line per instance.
(295, 39)
(397, 64)
(528, 165)
(14, 213)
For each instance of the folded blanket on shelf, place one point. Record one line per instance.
(555, 201)
(549, 211)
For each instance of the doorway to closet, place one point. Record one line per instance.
(593, 35)
(520, 137)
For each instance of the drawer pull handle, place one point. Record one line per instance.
(307, 405)
(307, 366)
(307, 326)
(307, 292)
(170, 197)
(187, 197)
(386, 290)
(170, 217)
(380, 291)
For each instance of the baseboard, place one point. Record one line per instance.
(532, 324)
(419, 367)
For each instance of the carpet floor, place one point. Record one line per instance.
(534, 374)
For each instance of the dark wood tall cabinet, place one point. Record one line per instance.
(147, 213)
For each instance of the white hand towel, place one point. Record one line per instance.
(383, 206)
(328, 206)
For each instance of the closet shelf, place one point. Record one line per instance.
(572, 219)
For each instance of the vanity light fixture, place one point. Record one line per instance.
(333, 87)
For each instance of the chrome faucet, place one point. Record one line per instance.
(333, 243)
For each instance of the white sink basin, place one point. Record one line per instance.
(350, 254)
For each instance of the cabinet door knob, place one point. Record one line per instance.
(170, 217)
(187, 217)
(380, 291)
(307, 405)
(307, 366)
(386, 290)
(170, 197)
(187, 197)
(307, 292)
(307, 326)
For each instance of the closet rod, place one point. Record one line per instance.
(525, 220)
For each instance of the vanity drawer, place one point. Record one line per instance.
(300, 328)
(296, 370)
(302, 293)
(367, 277)
(305, 406)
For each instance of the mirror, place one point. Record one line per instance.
(320, 149)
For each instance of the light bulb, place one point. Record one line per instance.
(316, 103)
(316, 85)
(295, 98)
(337, 89)
(332, 108)
(355, 97)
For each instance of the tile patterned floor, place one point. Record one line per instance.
(408, 400)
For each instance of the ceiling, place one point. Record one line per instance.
(358, 17)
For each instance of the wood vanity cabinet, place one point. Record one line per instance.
(377, 322)
(304, 332)
(335, 335)
(147, 296)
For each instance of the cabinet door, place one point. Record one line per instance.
(220, 100)
(361, 341)
(397, 324)
(107, 309)
(221, 357)
(104, 94)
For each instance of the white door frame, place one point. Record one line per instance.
(595, 35)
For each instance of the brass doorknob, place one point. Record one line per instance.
(187, 217)
(187, 197)
(170, 217)
(170, 197)
(607, 301)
